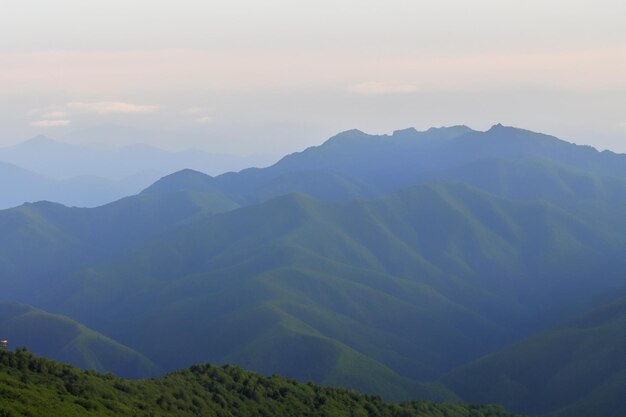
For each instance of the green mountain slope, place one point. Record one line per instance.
(578, 369)
(37, 387)
(535, 178)
(63, 339)
(257, 185)
(367, 294)
(62, 240)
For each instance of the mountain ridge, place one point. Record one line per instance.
(417, 157)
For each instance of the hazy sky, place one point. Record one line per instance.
(275, 76)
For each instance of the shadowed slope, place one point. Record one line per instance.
(63, 339)
(578, 369)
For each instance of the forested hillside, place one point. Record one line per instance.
(36, 387)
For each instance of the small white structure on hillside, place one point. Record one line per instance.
(4, 344)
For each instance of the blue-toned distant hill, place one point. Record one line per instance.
(91, 175)
(505, 161)
(397, 160)
(18, 185)
(61, 160)
(58, 337)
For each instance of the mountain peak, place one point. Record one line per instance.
(347, 137)
(351, 132)
(499, 127)
(403, 133)
(183, 180)
(448, 132)
(38, 141)
(444, 132)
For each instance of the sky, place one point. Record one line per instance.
(250, 77)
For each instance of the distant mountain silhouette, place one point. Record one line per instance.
(63, 160)
(506, 161)
(91, 175)
(18, 185)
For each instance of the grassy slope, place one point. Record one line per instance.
(37, 387)
(257, 185)
(534, 178)
(63, 339)
(578, 369)
(63, 240)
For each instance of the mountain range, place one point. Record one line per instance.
(448, 264)
(91, 175)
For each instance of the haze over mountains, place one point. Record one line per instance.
(409, 265)
(90, 175)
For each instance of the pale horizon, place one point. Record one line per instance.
(247, 78)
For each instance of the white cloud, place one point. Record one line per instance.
(50, 123)
(54, 115)
(204, 119)
(108, 107)
(381, 87)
